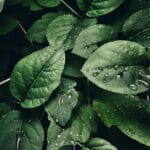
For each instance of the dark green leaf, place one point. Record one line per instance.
(49, 3)
(64, 30)
(118, 67)
(127, 113)
(90, 38)
(34, 78)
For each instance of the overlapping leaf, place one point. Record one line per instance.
(1, 5)
(129, 114)
(64, 30)
(49, 3)
(36, 76)
(119, 66)
(95, 8)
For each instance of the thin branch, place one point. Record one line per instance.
(25, 32)
(71, 9)
(4, 81)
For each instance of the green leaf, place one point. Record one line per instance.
(90, 39)
(64, 30)
(98, 144)
(1, 5)
(37, 32)
(60, 105)
(57, 137)
(73, 66)
(137, 27)
(127, 113)
(84, 124)
(7, 24)
(118, 67)
(36, 76)
(17, 132)
(95, 8)
(49, 3)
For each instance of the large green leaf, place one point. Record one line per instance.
(90, 39)
(1, 5)
(64, 30)
(37, 32)
(49, 3)
(137, 27)
(118, 67)
(36, 76)
(84, 123)
(18, 132)
(98, 144)
(7, 24)
(95, 8)
(61, 104)
(127, 113)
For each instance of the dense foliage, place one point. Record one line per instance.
(74, 74)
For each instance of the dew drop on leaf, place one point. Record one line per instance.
(133, 87)
(95, 74)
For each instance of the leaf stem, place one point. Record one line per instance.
(88, 92)
(5, 81)
(71, 9)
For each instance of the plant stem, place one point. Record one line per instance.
(88, 92)
(25, 32)
(71, 9)
(4, 81)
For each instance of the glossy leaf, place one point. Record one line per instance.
(18, 133)
(64, 30)
(33, 80)
(49, 3)
(98, 144)
(137, 27)
(98, 8)
(91, 38)
(118, 67)
(61, 104)
(37, 32)
(127, 113)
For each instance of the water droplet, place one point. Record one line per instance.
(58, 136)
(56, 144)
(100, 68)
(116, 67)
(77, 135)
(95, 74)
(56, 120)
(29, 121)
(90, 117)
(3, 116)
(70, 133)
(118, 76)
(86, 47)
(48, 141)
(126, 69)
(133, 87)
(69, 96)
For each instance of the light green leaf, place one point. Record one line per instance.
(36, 76)
(95, 8)
(57, 137)
(137, 27)
(49, 3)
(98, 144)
(37, 32)
(64, 30)
(127, 113)
(60, 105)
(17, 132)
(91, 38)
(118, 67)
(84, 124)
(7, 24)
(1, 5)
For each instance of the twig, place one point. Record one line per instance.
(4, 81)
(71, 9)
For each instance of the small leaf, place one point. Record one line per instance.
(118, 67)
(1, 5)
(7, 24)
(84, 124)
(127, 113)
(37, 32)
(49, 3)
(64, 30)
(61, 104)
(18, 133)
(98, 144)
(36, 76)
(90, 38)
(97, 7)
(137, 27)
